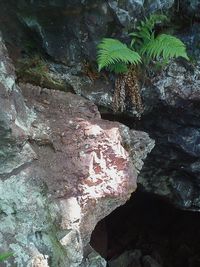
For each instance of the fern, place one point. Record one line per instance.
(115, 55)
(144, 31)
(165, 46)
(145, 46)
(118, 68)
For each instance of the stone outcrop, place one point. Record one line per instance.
(69, 31)
(62, 169)
(134, 258)
(173, 120)
(190, 8)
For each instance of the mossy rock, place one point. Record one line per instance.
(35, 70)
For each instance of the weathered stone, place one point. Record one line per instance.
(179, 84)
(129, 11)
(174, 124)
(148, 261)
(66, 30)
(69, 31)
(190, 8)
(128, 258)
(63, 169)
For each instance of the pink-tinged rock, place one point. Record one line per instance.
(86, 160)
(66, 169)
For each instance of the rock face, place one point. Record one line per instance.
(128, 11)
(62, 170)
(134, 258)
(190, 8)
(69, 31)
(173, 168)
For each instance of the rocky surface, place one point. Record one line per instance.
(134, 258)
(69, 31)
(129, 11)
(172, 170)
(62, 170)
(190, 9)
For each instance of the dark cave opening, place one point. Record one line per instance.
(151, 228)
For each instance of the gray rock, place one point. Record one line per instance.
(127, 259)
(148, 261)
(190, 8)
(68, 31)
(172, 172)
(62, 170)
(129, 11)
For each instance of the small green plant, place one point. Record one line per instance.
(145, 46)
(154, 47)
(116, 56)
(35, 70)
(5, 256)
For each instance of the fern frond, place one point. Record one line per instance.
(144, 31)
(165, 46)
(112, 51)
(118, 68)
(155, 19)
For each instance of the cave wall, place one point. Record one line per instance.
(62, 169)
(66, 34)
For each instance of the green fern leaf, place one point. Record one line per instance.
(155, 19)
(144, 32)
(118, 68)
(112, 51)
(5, 256)
(165, 46)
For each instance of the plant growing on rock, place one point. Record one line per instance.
(5, 256)
(146, 47)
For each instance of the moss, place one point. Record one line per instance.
(35, 70)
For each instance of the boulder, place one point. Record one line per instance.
(129, 11)
(68, 31)
(190, 9)
(173, 120)
(62, 170)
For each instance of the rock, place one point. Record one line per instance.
(179, 84)
(133, 259)
(148, 261)
(62, 170)
(128, 11)
(127, 259)
(172, 170)
(94, 260)
(68, 31)
(190, 8)
(15, 119)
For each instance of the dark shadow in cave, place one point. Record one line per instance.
(153, 226)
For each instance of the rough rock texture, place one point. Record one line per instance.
(190, 8)
(134, 258)
(128, 11)
(173, 168)
(62, 170)
(69, 30)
